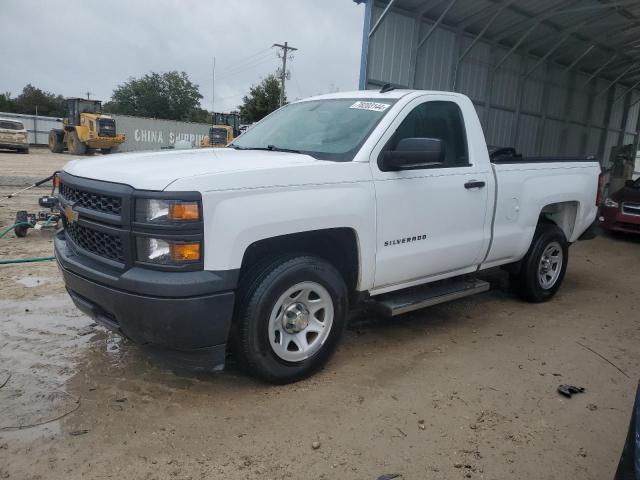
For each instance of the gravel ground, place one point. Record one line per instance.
(462, 390)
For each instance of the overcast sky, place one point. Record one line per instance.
(76, 46)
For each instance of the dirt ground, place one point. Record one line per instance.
(461, 390)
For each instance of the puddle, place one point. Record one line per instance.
(39, 341)
(31, 282)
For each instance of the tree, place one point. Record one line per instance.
(169, 95)
(6, 102)
(261, 100)
(47, 103)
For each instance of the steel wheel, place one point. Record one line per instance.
(550, 265)
(300, 321)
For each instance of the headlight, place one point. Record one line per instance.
(150, 210)
(610, 203)
(167, 252)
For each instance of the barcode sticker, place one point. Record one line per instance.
(373, 106)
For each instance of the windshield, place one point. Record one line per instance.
(9, 125)
(325, 129)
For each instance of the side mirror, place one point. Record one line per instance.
(415, 153)
(629, 183)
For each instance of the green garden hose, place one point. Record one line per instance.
(26, 260)
(19, 224)
(23, 260)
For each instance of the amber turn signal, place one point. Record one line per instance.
(184, 211)
(185, 252)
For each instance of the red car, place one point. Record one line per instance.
(621, 211)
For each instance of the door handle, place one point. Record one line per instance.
(474, 184)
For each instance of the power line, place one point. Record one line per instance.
(248, 67)
(247, 59)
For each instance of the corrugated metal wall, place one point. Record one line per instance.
(551, 111)
(141, 133)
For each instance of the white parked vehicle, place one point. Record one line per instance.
(13, 136)
(387, 196)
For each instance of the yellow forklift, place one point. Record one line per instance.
(225, 127)
(85, 130)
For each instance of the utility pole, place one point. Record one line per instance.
(283, 74)
(213, 88)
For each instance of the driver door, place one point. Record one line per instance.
(431, 219)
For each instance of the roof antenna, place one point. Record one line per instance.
(387, 87)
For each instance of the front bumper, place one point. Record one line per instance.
(614, 219)
(13, 145)
(184, 315)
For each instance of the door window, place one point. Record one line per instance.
(436, 119)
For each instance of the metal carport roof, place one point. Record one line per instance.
(525, 63)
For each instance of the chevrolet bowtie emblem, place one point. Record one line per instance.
(70, 214)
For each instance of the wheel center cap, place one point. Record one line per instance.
(546, 265)
(295, 318)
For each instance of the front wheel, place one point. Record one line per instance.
(290, 316)
(544, 266)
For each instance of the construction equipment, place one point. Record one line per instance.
(85, 130)
(47, 217)
(225, 127)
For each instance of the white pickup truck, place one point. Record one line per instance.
(263, 246)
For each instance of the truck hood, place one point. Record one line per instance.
(158, 170)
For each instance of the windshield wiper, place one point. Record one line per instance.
(273, 148)
(268, 148)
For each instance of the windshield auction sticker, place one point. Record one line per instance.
(373, 106)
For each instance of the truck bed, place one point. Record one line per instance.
(509, 155)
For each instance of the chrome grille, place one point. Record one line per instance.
(631, 208)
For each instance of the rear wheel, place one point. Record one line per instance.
(290, 316)
(22, 229)
(55, 141)
(24, 151)
(76, 147)
(543, 268)
(105, 151)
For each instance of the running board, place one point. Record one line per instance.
(431, 294)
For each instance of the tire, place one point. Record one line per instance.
(21, 217)
(56, 144)
(291, 286)
(544, 266)
(75, 146)
(24, 151)
(105, 151)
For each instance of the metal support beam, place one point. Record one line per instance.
(548, 54)
(605, 129)
(364, 52)
(382, 17)
(547, 38)
(437, 23)
(522, 38)
(586, 129)
(625, 118)
(621, 96)
(515, 131)
(413, 63)
(457, 49)
(600, 69)
(580, 57)
(505, 4)
(568, 107)
(544, 105)
(515, 28)
(488, 95)
(618, 78)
